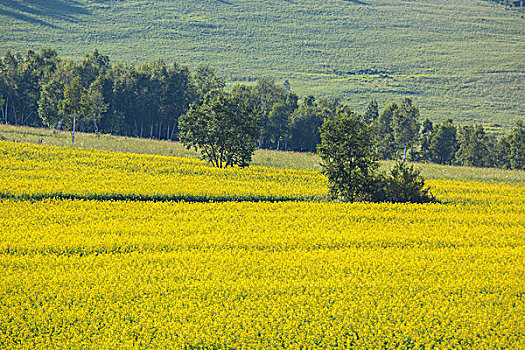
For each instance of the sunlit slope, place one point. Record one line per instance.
(36, 172)
(460, 59)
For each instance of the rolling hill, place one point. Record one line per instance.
(461, 59)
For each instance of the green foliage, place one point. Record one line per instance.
(444, 143)
(349, 162)
(405, 125)
(474, 146)
(427, 132)
(224, 129)
(517, 146)
(385, 133)
(347, 157)
(406, 185)
(206, 80)
(371, 113)
(305, 123)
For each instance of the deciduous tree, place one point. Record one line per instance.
(224, 129)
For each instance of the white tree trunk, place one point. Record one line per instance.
(73, 131)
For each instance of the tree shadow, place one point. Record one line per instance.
(25, 18)
(357, 2)
(46, 9)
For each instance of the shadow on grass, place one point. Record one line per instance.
(33, 11)
(26, 18)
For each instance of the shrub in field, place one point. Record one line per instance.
(347, 157)
(405, 184)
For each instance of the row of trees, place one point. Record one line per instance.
(401, 135)
(510, 3)
(145, 100)
(149, 100)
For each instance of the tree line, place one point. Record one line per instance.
(158, 100)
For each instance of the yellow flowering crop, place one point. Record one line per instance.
(30, 171)
(105, 274)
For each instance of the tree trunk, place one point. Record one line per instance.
(141, 128)
(160, 129)
(96, 126)
(73, 131)
(6, 110)
(405, 154)
(168, 133)
(172, 131)
(151, 131)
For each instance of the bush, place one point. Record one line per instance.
(406, 185)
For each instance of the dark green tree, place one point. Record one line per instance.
(304, 126)
(73, 106)
(405, 126)
(279, 120)
(206, 80)
(52, 93)
(406, 185)
(501, 153)
(444, 143)
(9, 71)
(268, 95)
(517, 146)
(427, 132)
(91, 67)
(224, 129)
(371, 113)
(384, 132)
(94, 104)
(473, 146)
(348, 158)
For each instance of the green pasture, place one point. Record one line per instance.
(459, 59)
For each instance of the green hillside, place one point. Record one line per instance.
(461, 59)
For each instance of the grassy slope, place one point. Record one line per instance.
(461, 59)
(277, 159)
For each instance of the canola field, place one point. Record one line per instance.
(118, 251)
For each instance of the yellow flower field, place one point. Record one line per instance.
(140, 274)
(30, 171)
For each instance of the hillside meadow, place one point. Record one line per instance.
(113, 250)
(460, 59)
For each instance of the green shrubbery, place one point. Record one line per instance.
(349, 161)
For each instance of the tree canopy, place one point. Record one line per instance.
(224, 129)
